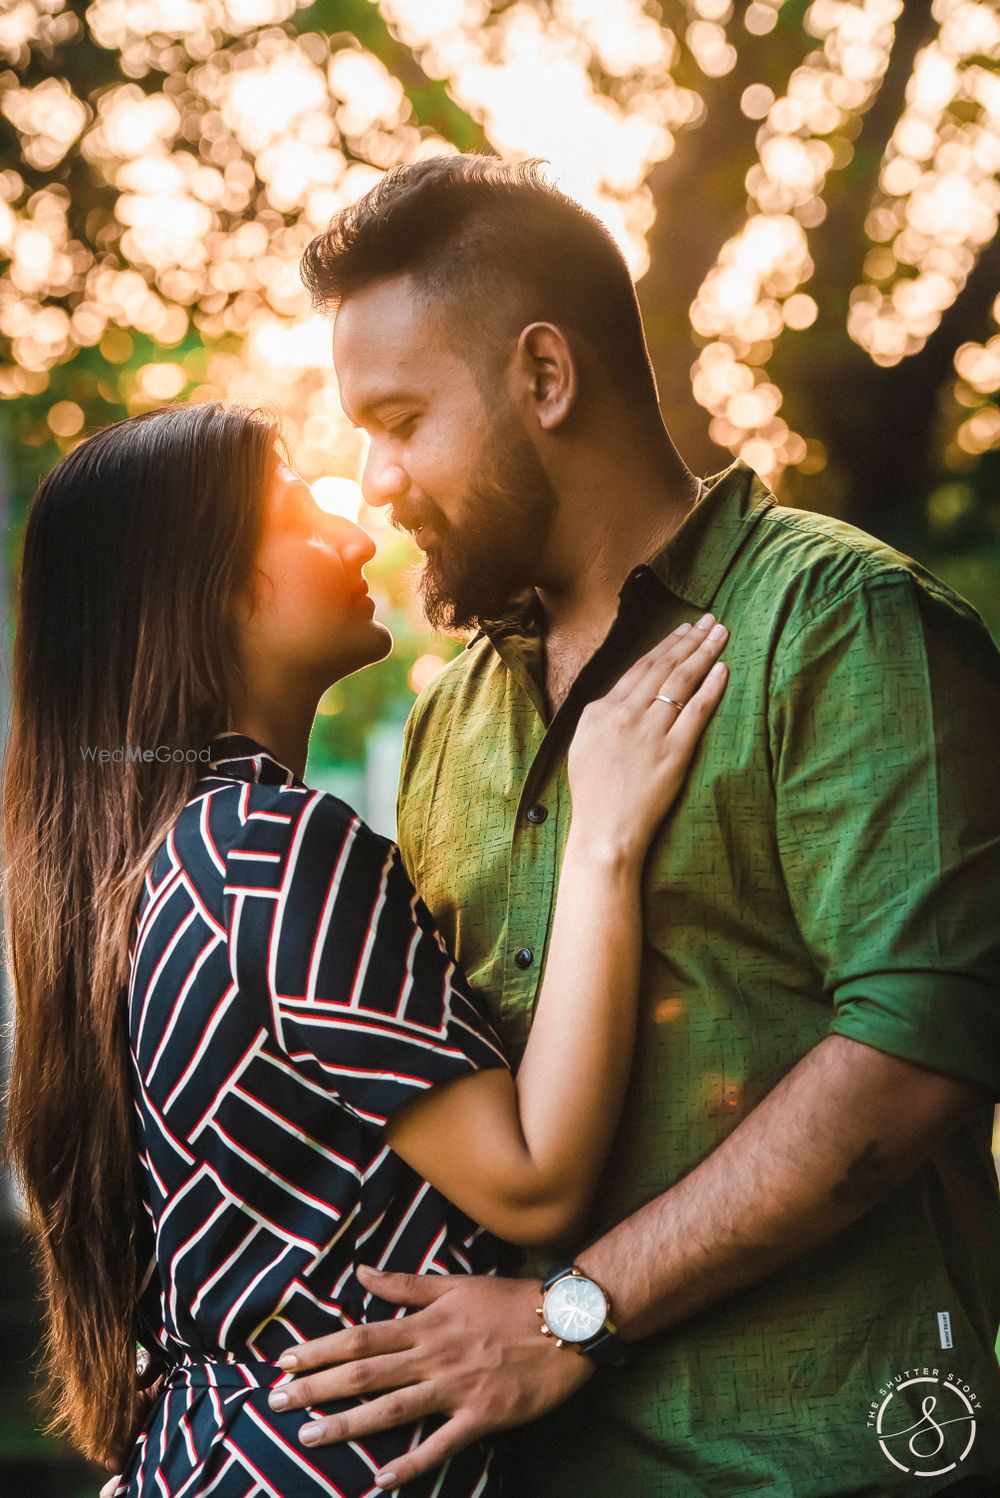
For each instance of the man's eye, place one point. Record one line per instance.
(404, 427)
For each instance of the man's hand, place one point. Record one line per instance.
(474, 1351)
(843, 1127)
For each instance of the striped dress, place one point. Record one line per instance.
(288, 992)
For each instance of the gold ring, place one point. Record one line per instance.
(662, 697)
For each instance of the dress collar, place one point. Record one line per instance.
(236, 756)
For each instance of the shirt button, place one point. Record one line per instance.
(524, 957)
(537, 814)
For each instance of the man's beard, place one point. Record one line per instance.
(482, 564)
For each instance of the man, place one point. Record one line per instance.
(797, 1232)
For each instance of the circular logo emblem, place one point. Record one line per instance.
(926, 1422)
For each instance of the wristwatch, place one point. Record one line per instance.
(575, 1311)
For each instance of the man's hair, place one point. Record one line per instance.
(494, 246)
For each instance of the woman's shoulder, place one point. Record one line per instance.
(300, 832)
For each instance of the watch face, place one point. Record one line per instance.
(575, 1309)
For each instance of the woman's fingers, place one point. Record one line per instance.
(437, 1449)
(677, 646)
(687, 674)
(385, 1413)
(688, 725)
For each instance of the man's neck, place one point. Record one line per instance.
(593, 556)
(606, 530)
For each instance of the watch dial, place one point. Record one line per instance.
(575, 1309)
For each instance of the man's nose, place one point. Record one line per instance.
(383, 479)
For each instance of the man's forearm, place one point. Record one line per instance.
(821, 1148)
(834, 1135)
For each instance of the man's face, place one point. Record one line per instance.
(463, 477)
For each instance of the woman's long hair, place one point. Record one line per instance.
(136, 547)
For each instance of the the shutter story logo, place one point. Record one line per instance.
(925, 1421)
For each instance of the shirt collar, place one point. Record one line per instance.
(236, 756)
(695, 559)
(698, 555)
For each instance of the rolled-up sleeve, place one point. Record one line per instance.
(885, 742)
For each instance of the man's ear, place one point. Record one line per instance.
(545, 374)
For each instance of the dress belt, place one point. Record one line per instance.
(225, 1373)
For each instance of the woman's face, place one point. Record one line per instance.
(310, 619)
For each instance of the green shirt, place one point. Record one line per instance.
(832, 866)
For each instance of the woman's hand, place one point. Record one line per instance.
(145, 1398)
(631, 750)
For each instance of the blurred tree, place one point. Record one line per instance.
(165, 165)
(877, 421)
(157, 187)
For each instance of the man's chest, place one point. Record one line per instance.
(483, 823)
(564, 658)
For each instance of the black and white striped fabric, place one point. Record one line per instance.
(288, 992)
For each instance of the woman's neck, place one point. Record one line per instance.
(283, 728)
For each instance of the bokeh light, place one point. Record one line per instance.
(234, 129)
(939, 198)
(338, 496)
(751, 294)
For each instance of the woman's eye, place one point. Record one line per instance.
(405, 427)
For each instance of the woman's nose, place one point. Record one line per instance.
(355, 545)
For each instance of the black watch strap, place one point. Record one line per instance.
(607, 1349)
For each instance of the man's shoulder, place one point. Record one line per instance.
(464, 672)
(812, 562)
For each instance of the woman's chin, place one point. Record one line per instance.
(368, 645)
(382, 642)
(385, 641)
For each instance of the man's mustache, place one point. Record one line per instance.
(412, 519)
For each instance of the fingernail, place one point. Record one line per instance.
(719, 669)
(277, 1401)
(288, 1360)
(310, 1433)
(368, 1269)
(683, 629)
(705, 621)
(385, 1479)
(719, 632)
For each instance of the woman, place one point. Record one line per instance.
(244, 1063)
